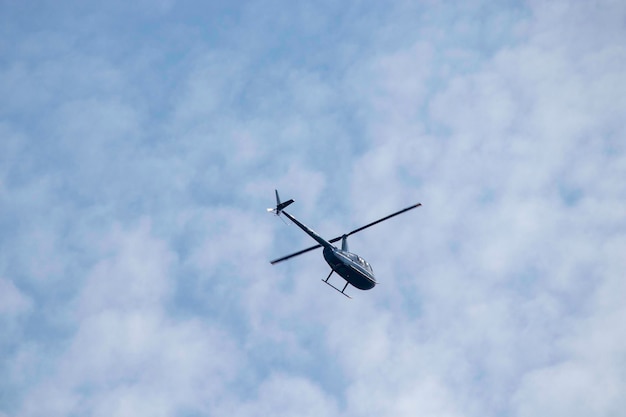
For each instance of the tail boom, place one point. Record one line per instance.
(280, 207)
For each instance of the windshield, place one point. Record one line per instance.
(359, 260)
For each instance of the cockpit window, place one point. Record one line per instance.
(364, 263)
(360, 260)
(368, 266)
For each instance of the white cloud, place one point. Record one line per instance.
(126, 355)
(284, 395)
(13, 302)
(588, 378)
(505, 201)
(133, 273)
(141, 236)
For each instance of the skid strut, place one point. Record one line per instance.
(344, 287)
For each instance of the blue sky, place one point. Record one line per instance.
(140, 145)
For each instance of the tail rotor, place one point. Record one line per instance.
(280, 206)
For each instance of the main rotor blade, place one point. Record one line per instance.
(284, 258)
(378, 221)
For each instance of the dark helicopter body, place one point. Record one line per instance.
(350, 266)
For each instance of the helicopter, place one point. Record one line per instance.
(355, 270)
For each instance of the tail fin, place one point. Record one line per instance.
(279, 206)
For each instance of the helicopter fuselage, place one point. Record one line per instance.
(350, 267)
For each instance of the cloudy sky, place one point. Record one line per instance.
(141, 143)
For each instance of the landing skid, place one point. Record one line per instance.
(341, 291)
